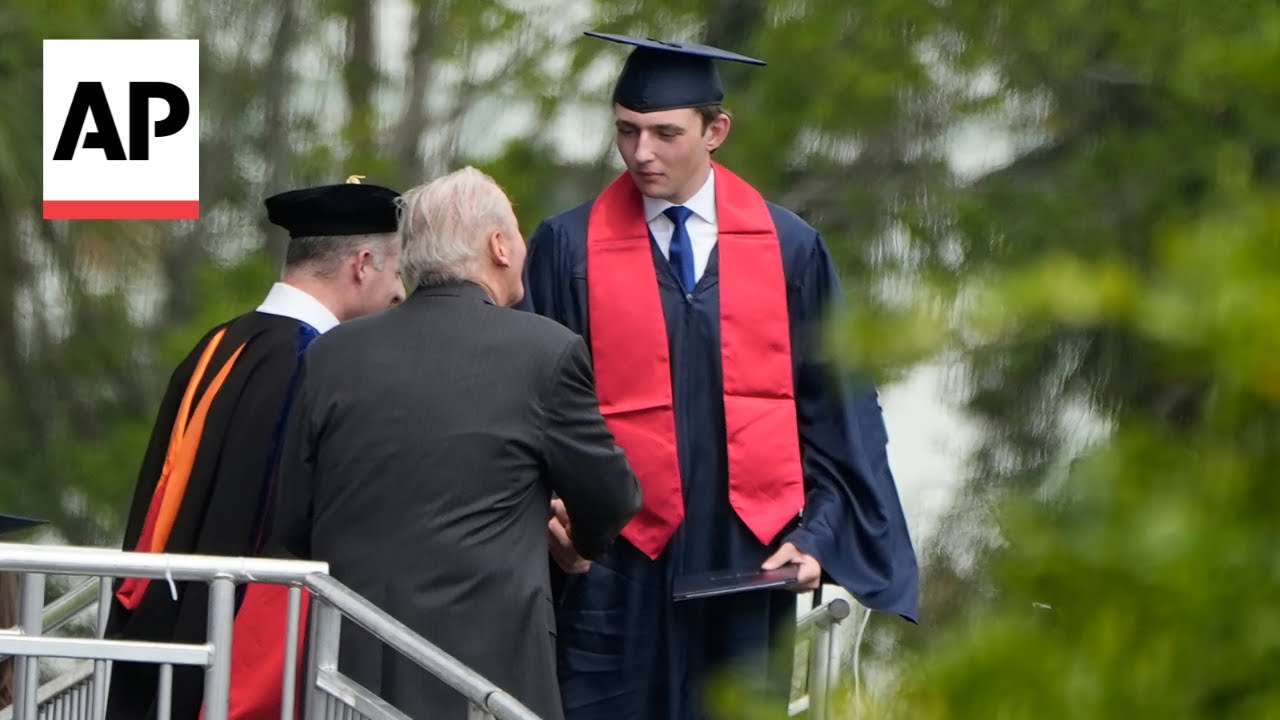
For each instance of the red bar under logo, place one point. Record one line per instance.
(121, 209)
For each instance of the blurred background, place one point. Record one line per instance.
(1059, 231)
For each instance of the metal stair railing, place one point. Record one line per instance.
(333, 601)
(72, 688)
(82, 694)
(817, 627)
(79, 693)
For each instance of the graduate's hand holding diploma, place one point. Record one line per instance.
(810, 572)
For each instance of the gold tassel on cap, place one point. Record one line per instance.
(355, 179)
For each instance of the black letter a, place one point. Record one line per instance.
(89, 97)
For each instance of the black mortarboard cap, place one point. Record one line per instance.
(14, 523)
(661, 75)
(351, 208)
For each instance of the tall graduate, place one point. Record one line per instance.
(206, 482)
(702, 304)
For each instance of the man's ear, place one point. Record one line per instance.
(363, 264)
(717, 131)
(499, 249)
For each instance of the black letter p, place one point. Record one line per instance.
(140, 95)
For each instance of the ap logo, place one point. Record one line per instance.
(121, 129)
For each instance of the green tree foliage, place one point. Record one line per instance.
(69, 398)
(1124, 262)
(1140, 584)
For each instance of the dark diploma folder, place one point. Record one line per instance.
(728, 582)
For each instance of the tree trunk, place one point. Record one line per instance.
(413, 121)
(276, 149)
(360, 78)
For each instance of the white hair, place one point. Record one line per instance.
(445, 225)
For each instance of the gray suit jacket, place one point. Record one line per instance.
(420, 460)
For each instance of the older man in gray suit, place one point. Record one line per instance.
(426, 446)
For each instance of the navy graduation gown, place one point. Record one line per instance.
(626, 650)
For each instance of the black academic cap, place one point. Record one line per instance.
(351, 208)
(14, 523)
(662, 75)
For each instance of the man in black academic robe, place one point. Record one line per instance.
(626, 649)
(207, 479)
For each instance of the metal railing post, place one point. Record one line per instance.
(818, 626)
(26, 670)
(99, 689)
(104, 604)
(217, 678)
(322, 653)
(291, 654)
(164, 702)
(102, 670)
(819, 669)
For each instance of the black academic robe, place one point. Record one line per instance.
(626, 650)
(224, 510)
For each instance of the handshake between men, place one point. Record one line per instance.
(560, 538)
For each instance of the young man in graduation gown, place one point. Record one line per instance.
(701, 303)
(207, 479)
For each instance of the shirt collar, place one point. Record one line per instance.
(703, 202)
(291, 302)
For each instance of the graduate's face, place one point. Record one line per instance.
(668, 152)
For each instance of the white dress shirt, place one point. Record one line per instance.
(289, 301)
(702, 226)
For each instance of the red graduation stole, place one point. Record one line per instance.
(632, 360)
